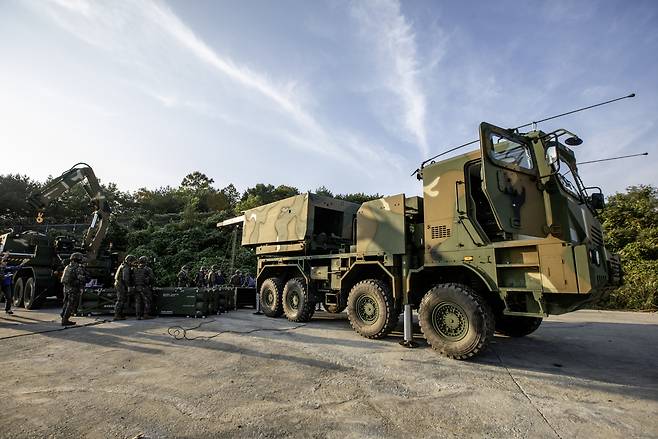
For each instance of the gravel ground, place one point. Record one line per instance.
(585, 374)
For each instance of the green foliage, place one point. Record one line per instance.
(630, 221)
(264, 194)
(173, 226)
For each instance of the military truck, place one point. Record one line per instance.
(502, 237)
(39, 258)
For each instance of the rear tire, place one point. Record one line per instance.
(456, 321)
(517, 326)
(17, 298)
(271, 297)
(298, 303)
(30, 296)
(371, 309)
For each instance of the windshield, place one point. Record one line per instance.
(566, 175)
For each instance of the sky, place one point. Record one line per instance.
(351, 95)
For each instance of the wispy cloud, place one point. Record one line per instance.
(384, 25)
(104, 24)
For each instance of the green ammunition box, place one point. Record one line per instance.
(101, 301)
(179, 301)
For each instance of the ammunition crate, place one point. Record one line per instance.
(102, 301)
(179, 301)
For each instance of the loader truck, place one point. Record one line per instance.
(501, 238)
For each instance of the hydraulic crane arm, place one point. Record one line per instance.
(79, 173)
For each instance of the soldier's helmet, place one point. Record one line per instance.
(202, 268)
(237, 271)
(130, 259)
(143, 259)
(77, 257)
(213, 268)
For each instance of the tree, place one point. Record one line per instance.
(265, 194)
(630, 221)
(196, 181)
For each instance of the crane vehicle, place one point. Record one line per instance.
(42, 258)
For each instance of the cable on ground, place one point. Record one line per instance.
(180, 333)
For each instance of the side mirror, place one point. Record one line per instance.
(597, 201)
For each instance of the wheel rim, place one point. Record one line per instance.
(450, 321)
(293, 300)
(367, 309)
(269, 298)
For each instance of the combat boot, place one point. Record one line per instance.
(117, 318)
(147, 317)
(67, 323)
(139, 317)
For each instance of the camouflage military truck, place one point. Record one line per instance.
(501, 238)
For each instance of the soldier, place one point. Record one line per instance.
(73, 281)
(249, 281)
(236, 279)
(201, 277)
(144, 279)
(123, 282)
(184, 276)
(215, 277)
(219, 278)
(5, 280)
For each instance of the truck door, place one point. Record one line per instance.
(509, 180)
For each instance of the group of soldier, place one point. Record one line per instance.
(212, 277)
(133, 276)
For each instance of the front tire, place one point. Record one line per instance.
(271, 297)
(517, 326)
(456, 321)
(298, 304)
(17, 298)
(371, 309)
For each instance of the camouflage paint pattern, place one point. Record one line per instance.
(501, 213)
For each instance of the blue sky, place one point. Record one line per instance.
(350, 95)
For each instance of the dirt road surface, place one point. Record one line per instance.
(585, 374)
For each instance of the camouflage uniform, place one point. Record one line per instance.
(201, 278)
(73, 280)
(214, 277)
(237, 280)
(143, 278)
(183, 277)
(123, 281)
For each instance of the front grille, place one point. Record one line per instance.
(596, 236)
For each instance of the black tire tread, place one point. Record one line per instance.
(392, 316)
(517, 326)
(483, 308)
(277, 285)
(308, 308)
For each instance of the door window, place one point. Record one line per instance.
(510, 154)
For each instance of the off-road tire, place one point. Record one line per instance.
(30, 296)
(334, 309)
(456, 321)
(371, 309)
(517, 326)
(271, 297)
(298, 302)
(17, 297)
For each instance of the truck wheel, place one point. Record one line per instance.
(30, 297)
(334, 309)
(298, 304)
(517, 326)
(456, 321)
(271, 297)
(17, 298)
(371, 308)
